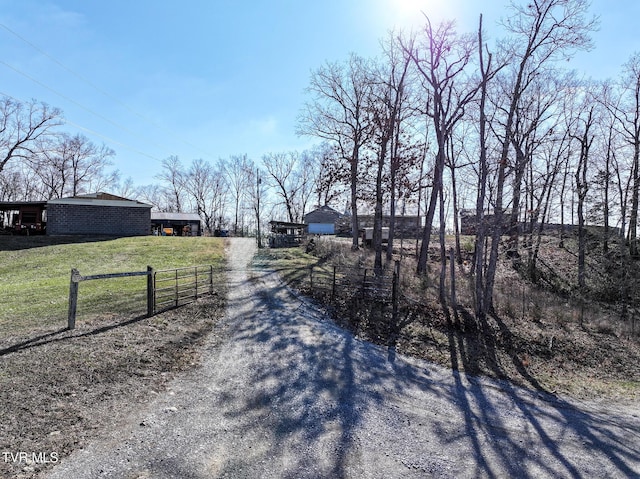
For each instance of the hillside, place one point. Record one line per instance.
(543, 336)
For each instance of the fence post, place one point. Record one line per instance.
(364, 283)
(195, 272)
(177, 290)
(311, 279)
(73, 298)
(333, 284)
(151, 293)
(394, 294)
(210, 279)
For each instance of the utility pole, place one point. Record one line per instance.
(258, 181)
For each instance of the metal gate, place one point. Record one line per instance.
(178, 286)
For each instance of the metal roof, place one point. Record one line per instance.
(157, 215)
(99, 199)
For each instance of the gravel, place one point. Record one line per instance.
(290, 395)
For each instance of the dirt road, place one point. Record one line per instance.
(289, 395)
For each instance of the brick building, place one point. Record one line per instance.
(98, 214)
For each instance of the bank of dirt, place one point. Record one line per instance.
(61, 389)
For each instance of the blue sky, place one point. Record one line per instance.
(212, 78)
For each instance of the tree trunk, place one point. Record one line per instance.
(433, 201)
(354, 203)
(635, 193)
(479, 251)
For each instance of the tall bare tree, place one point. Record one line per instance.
(284, 171)
(542, 31)
(338, 114)
(22, 125)
(236, 169)
(442, 58)
(627, 111)
(173, 177)
(388, 100)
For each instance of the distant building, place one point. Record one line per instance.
(98, 214)
(286, 235)
(176, 224)
(322, 221)
(405, 226)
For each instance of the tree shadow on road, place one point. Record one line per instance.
(531, 433)
(319, 402)
(305, 393)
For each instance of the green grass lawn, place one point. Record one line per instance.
(35, 274)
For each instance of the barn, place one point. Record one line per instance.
(98, 214)
(322, 221)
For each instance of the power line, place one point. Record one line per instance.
(100, 90)
(62, 95)
(93, 132)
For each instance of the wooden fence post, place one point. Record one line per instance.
(333, 285)
(395, 294)
(73, 298)
(177, 289)
(150, 292)
(454, 301)
(195, 272)
(210, 279)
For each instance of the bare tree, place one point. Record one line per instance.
(284, 172)
(70, 165)
(338, 114)
(236, 170)
(329, 177)
(22, 125)
(173, 177)
(627, 112)
(200, 184)
(543, 31)
(154, 195)
(442, 59)
(388, 101)
(126, 188)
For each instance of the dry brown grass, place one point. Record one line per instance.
(537, 338)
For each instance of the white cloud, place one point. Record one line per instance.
(265, 126)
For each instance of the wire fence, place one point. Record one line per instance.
(135, 293)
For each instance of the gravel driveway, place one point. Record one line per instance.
(287, 394)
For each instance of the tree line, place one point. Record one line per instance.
(41, 162)
(437, 122)
(443, 120)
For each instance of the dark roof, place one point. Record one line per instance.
(16, 205)
(324, 214)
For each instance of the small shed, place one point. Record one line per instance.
(23, 217)
(176, 224)
(286, 235)
(322, 221)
